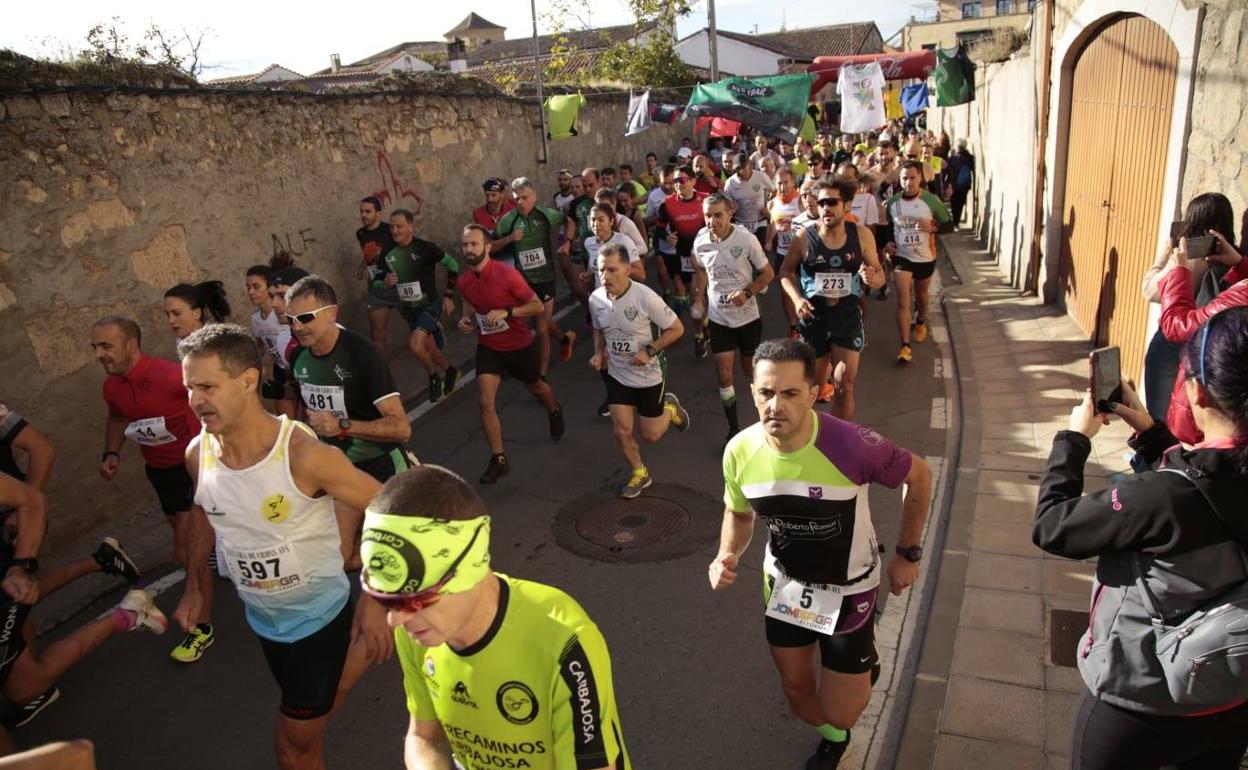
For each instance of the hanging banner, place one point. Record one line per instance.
(775, 105)
(666, 113)
(717, 127)
(638, 114)
(561, 115)
(914, 98)
(900, 65)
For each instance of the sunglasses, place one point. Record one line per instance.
(414, 602)
(684, 179)
(308, 317)
(830, 202)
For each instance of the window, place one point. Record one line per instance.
(1004, 7)
(929, 46)
(1031, 5)
(972, 10)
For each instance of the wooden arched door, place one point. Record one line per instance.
(1122, 100)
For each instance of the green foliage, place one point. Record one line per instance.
(651, 62)
(107, 43)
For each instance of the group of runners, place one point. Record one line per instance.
(276, 450)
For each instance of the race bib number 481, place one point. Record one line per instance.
(325, 398)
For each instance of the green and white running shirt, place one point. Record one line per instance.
(814, 500)
(535, 692)
(629, 322)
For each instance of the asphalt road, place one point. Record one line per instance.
(695, 686)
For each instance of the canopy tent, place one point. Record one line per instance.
(899, 65)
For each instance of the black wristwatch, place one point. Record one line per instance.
(30, 565)
(509, 312)
(910, 552)
(651, 350)
(108, 452)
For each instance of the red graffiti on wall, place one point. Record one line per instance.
(393, 192)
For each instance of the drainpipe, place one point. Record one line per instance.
(1042, 140)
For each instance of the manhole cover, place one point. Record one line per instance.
(625, 524)
(1065, 629)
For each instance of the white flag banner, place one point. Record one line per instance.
(638, 114)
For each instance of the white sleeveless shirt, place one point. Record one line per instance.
(281, 547)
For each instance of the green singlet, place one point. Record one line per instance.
(535, 251)
(534, 692)
(414, 265)
(579, 209)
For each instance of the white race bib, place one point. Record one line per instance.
(532, 258)
(748, 225)
(813, 607)
(410, 291)
(621, 346)
(267, 571)
(909, 232)
(374, 272)
(686, 264)
(488, 328)
(150, 432)
(325, 398)
(834, 285)
(783, 239)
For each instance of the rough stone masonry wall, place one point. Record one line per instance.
(109, 198)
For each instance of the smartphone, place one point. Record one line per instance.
(1199, 248)
(1106, 377)
(1176, 231)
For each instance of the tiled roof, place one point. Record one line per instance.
(244, 79)
(580, 40)
(381, 58)
(834, 40)
(473, 21)
(512, 76)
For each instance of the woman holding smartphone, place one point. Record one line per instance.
(1179, 531)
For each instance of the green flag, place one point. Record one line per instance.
(775, 105)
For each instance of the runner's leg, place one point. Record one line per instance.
(921, 299)
(487, 390)
(653, 428)
(545, 328)
(428, 353)
(622, 418)
(378, 321)
(842, 697)
(905, 285)
(847, 373)
(727, 390)
(299, 743)
(798, 668)
(543, 393)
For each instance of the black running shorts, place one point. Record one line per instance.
(726, 339)
(524, 364)
(649, 401)
(838, 325)
(544, 290)
(382, 467)
(173, 486)
(12, 642)
(851, 650)
(920, 270)
(308, 671)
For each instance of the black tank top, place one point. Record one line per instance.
(822, 259)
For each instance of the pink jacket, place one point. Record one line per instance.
(1180, 319)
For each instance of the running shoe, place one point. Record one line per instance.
(114, 561)
(920, 331)
(604, 410)
(16, 716)
(794, 334)
(435, 388)
(828, 754)
(497, 468)
(699, 347)
(556, 423)
(565, 347)
(826, 391)
(450, 380)
(904, 355)
(192, 647)
(636, 482)
(680, 418)
(147, 616)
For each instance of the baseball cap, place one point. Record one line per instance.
(287, 276)
(684, 152)
(493, 184)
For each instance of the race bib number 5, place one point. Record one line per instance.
(812, 607)
(833, 285)
(267, 571)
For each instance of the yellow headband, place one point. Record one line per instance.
(407, 554)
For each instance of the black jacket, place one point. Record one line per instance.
(1182, 530)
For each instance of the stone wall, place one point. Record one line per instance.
(112, 197)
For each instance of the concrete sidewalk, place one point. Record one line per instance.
(987, 691)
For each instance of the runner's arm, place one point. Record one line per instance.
(759, 261)
(317, 467)
(788, 271)
(583, 713)
(532, 307)
(392, 425)
(114, 433)
(200, 541)
(39, 455)
(869, 256)
(32, 514)
(736, 532)
(700, 282)
(916, 493)
(425, 746)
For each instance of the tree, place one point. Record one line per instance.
(651, 61)
(107, 43)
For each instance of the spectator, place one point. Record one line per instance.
(961, 176)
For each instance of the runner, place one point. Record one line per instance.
(915, 215)
(280, 282)
(265, 491)
(705, 174)
(831, 265)
(188, 307)
(348, 394)
(497, 204)
(16, 433)
(624, 224)
(632, 327)
(663, 250)
(572, 254)
(375, 242)
(732, 270)
(781, 210)
(411, 268)
(532, 229)
(564, 195)
(266, 326)
(748, 190)
(628, 211)
(806, 473)
(498, 671)
(496, 302)
(650, 177)
(680, 216)
(147, 404)
(603, 221)
(28, 672)
(627, 182)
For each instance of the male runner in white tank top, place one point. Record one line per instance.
(267, 487)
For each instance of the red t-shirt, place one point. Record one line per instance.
(482, 216)
(497, 287)
(153, 392)
(683, 217)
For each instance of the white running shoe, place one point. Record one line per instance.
(148, 616)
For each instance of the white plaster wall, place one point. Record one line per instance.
(735, 57)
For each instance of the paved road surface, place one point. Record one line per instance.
(695, 685)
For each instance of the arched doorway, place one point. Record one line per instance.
(1122, 98)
